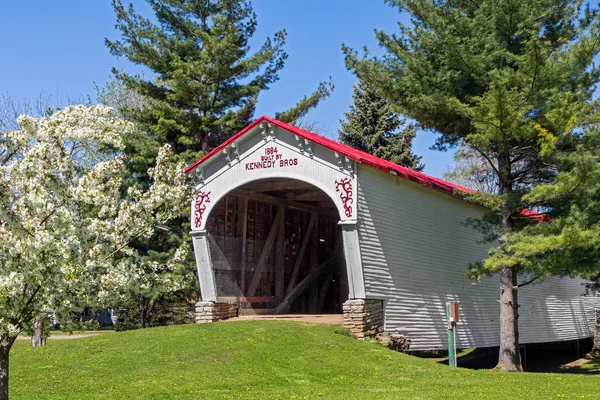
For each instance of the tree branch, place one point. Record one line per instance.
(529, 282)
(488, 160)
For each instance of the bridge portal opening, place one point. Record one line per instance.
(276, 248)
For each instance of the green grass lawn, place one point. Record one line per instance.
(260, 360)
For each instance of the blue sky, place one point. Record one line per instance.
(58, 47)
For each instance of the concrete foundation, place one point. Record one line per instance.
(364, 317)
(208, 311)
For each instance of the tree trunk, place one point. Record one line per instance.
(142, 308)
(150, 312)
(6, 343)
(38, 337)
(145, 307)
(509, 358)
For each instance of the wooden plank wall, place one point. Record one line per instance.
(233, 273)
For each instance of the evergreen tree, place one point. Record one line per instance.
(141, 148)
(513, 80)
(203, 86)
(206, 81)
(166, 297)
(373, 126)
(568, 243)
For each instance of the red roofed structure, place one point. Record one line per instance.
(358, 156)
(287, 221)
(347, 151)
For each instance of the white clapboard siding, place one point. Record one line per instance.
(313, 164)
(415, 250)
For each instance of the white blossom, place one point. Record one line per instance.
(65, 226)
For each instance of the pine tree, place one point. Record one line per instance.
(373, 127)
(150, 300)
(568, 242)
(205, 81)
(513, 80)
(202, 87)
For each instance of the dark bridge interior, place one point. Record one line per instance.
(276, 247)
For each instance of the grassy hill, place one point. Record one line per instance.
(259, 360)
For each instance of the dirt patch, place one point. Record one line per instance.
(576, 363)
(586, 365)
(62, 337)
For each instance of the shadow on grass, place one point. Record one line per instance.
(536, 360)
(475, 358)
(590, 367)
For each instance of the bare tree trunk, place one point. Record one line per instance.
(149, 312)
(142, 309)
(38, 337)
(6, 343)
(509, 358)
(146, 308)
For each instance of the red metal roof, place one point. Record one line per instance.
(358, 156)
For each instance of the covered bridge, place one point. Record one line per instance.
(287, 221)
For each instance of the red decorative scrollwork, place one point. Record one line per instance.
(344, 186)
(201, 199)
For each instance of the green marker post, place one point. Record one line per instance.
(451, 342)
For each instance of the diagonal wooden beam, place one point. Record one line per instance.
(296, 270)
(286, 303)
(284, 306)
(260, 265)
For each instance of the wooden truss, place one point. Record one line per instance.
(300, 256)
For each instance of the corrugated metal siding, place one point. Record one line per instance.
(415, 250)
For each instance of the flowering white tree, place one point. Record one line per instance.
(65, 226)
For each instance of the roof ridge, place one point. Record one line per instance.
(350, 152)
(360, 157)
